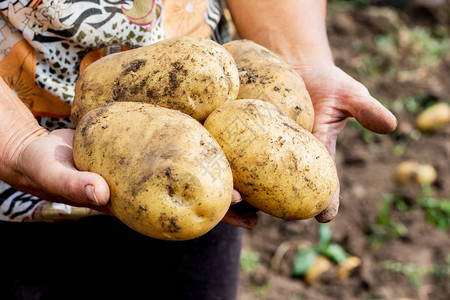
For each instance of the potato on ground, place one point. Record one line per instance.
(434, 117)
(278, 166)
(410, 171)
(169, 179)
(266, 76)
(193, 75)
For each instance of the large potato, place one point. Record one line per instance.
(169, 178)
(278, 166)
(193, 75)
(266, 76)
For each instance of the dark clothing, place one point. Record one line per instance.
(100, 258)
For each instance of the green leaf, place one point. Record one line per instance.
(303, 260)
(324, 234)
(249, 261)
(334, 252)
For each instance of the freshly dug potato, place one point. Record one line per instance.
(434, 118)
(278, 166)
(169, 179)
(410, 171)
(193, 75)
(266, 76)
(321, 265)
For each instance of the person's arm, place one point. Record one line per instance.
(38, 162)
(296, 30)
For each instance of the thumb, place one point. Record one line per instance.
(83, 188)
(72, 186)
(370, 113)
(332, 209)
(49, 172)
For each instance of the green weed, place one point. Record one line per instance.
(386, 228)
(261, 290)
(414, 272)
(367, 136)
(413, 104)
(427, 49)
(249, 264)
(417, 50)
(437, 210)
(249, 261)
(440, 272)
(306, 256)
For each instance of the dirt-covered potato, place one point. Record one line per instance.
(278, 166)
(434, 117)
(266, 76)
(193, 75)
(169, 178)
(410, 171)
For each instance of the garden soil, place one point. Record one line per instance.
(366, 164)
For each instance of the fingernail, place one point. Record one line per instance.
(90, 193)
(235, 197)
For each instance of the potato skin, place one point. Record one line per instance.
(410, 171)
(278, 166)
(266, 76)
(434, 117)
(158, 165)
(190, 74)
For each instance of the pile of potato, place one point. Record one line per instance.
(174, 126)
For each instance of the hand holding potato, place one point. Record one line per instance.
(44, 167)
(39, 162)
(337, 96)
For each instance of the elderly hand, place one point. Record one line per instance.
(337, 96)
(43, 166)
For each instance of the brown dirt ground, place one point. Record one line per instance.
(366, 165)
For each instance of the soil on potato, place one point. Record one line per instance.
(399, 54)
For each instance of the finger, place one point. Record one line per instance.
(332, 209)
(242, 215)
(50, 170)
(371, 114)
(235, 197)
(82, 188)
(235, 219)
(330, 212)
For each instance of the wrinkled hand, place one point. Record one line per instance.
(44, 167)
(337, 96)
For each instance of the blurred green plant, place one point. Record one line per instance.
(386, 228)
(428, 48)
(413, 104)
(306, 256)
(249, 261)
(437, 210)
(260, 290)
(401, 54)
(437, 213)
(367, 136)
(416, 273)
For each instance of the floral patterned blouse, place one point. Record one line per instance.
(44, 43)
